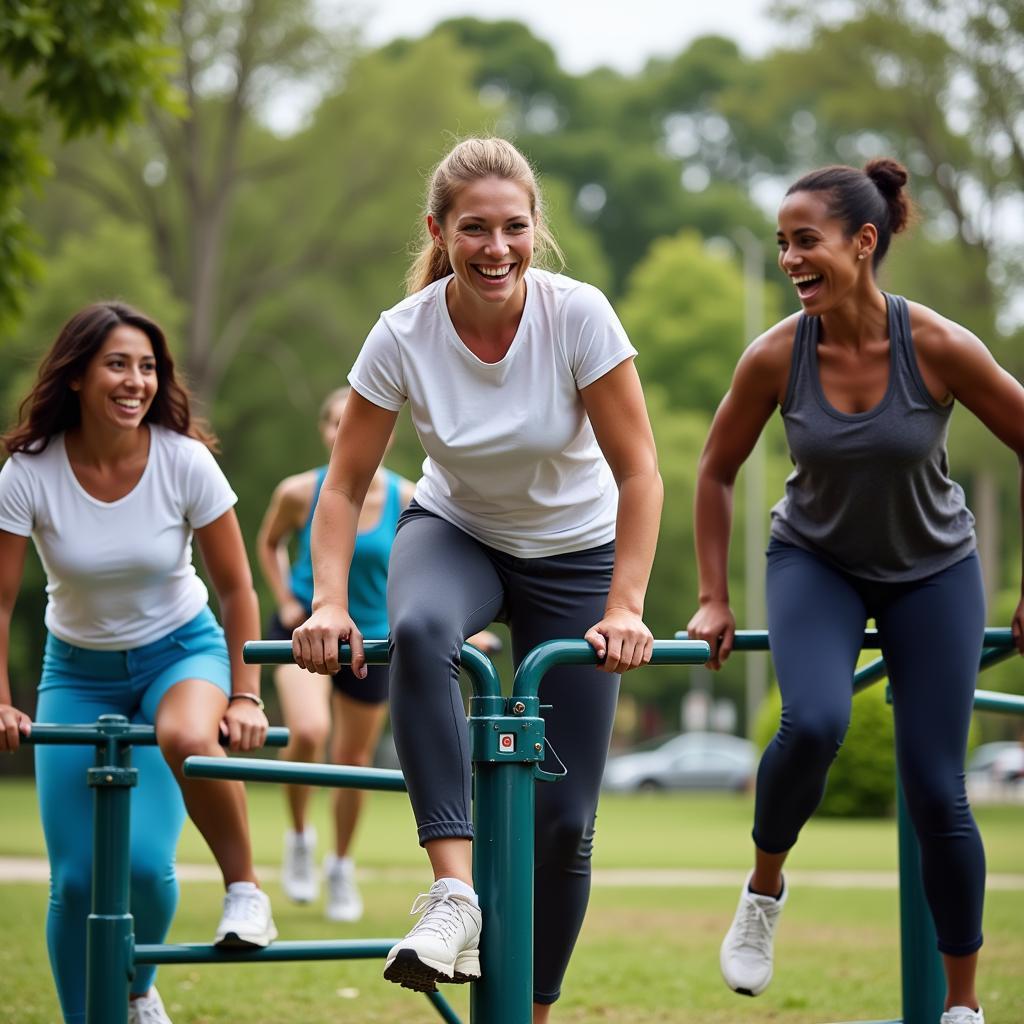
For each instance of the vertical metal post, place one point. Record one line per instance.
(924, 983)
(109, 931)
(754, 486)
(506, 746)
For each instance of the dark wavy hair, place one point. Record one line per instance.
(52, 406)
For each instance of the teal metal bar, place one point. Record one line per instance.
(578, 652)
(260, 769)
(923, 980)
(480, 668)
(131, 735)
(108, 960)
(203, 953)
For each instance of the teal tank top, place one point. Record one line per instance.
(368, 577)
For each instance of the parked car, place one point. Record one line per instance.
(691, 760)
(998, 762)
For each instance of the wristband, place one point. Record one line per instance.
(258, 701)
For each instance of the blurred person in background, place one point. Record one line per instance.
(356, 705)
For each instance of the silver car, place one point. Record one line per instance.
(691, 760)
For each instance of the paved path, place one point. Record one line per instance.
(36, 869)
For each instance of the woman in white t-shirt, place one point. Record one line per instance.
(111, 478)
(539, 505)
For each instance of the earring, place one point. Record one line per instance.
(861, 255)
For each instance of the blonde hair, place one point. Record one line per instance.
(469, 161)
(328, 403)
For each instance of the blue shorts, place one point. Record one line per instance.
(371, 690)
(139, 677)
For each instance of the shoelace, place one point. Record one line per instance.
(755, 929)
(246, 905)
(302, 862)
(441, 914)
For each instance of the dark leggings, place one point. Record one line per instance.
(444, 586)
(931, 634)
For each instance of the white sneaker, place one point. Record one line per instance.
(444, 945)
(963, 1015)
(343, 900)
(147, 1009)
(746, 954)
(298, 870)
(246, 921)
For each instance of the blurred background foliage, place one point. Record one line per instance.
(255, 181)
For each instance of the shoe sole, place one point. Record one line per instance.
(406, 968)
(232, 940)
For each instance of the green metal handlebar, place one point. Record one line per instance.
(997, 638)
(578, 652)
(135, 735)
(482, 672)
(294, 773)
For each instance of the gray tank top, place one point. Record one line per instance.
(870, 491)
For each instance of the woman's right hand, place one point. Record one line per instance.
(315, 642)
(715, 624)
(13, 725)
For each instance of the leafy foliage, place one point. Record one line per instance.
(88, 66)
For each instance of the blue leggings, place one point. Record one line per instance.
(931, 634)
(79, 685)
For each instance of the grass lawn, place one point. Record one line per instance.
(647, 954)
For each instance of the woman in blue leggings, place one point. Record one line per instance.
(871, 526)
(111, 478)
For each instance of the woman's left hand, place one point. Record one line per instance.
(244, 725)
(1017, 627)
(621, 639)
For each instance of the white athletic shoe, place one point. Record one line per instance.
(343, 900)
(746, 954)
(246, 921)
(963, 1015)
(298, 869)
(147, 1009)
(444, 945)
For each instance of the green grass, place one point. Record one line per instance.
(646, 954)
(693, 830)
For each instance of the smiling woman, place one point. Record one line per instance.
(111, 478)
(539, 505)
(870, 526)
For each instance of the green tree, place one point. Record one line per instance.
(84, 66)
(683, 309)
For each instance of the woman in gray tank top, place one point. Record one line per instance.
(870, 526)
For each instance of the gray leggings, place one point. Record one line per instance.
(443, 586)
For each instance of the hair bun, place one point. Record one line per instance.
(890, 177)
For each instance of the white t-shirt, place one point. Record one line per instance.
(511, 456)
(119, 573)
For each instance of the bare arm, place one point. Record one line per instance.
(223, 551)
(360, 444)
(616, 408)
(286, 513)
(756, 390)
(973, 377)
(13, 723)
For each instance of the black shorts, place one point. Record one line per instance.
(371, 690)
